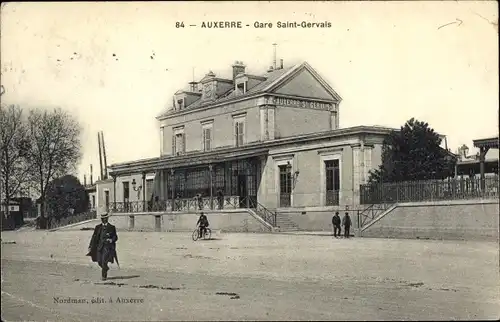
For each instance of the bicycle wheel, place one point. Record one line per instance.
(208, 234)
(195, 235)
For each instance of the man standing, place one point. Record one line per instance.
(346, 222)
(220, 198)
(102, 247)
(199, 199)
(336, 224)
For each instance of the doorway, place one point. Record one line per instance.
(285, 183)
(242, 190)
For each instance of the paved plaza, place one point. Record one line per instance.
(167, 276)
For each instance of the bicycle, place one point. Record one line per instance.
(207, 234)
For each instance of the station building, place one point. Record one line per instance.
(271, 141)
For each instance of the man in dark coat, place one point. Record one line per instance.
(336, 224)
(346, 222)
(203, 223)
(220, 198)
(102, 247)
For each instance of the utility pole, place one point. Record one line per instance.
(274, 56)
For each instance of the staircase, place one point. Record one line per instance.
(285, 224)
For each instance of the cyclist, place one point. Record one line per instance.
(203, 223)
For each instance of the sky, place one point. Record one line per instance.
(116, 66)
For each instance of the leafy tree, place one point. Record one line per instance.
(55, 147)
(65, 196)
(13, 152)
(413, 153)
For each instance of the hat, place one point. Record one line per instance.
(104, 215)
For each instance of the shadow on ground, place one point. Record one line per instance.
(123, 277)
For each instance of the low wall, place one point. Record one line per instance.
(457, 220)
(235, 221)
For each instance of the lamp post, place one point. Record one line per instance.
(137, 188)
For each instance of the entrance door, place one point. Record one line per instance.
(332, 182)
(242, 190)
(285, 186)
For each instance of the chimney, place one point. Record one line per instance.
(91, 175)
(238, 68)
(84, 180)
(193, 86)
(281, 63)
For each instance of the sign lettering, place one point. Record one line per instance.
(303, 104)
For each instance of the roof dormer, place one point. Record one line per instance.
(208, 85)
(241, 83)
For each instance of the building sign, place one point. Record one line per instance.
(302, 104)
(12, 208)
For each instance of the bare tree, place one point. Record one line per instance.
(13, 152)
(55, 147)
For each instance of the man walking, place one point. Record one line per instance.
(336, 224)
(102, 247)
(346, 222)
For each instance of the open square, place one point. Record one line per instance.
(249, 277)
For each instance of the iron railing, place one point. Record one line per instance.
(180, 204)
(54, 223)
(269, 216)
(192, 204)
(368, 214)
(432, 190)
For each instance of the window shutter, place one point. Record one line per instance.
(209, 134)
(183, 143)
(236, 130)
(242, 132)
(174, 150)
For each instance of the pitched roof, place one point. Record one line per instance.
(273, 79)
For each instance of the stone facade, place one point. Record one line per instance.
(288, 117)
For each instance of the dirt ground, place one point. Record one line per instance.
(167, 276)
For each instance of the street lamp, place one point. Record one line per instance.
(294, 175)
(289, 169)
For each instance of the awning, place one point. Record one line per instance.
(193, 160)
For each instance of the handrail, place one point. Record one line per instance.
(269, 216)
(370, 213)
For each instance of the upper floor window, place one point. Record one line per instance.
(239, 130)
(180, 104)
(178, 141)
(207, 129)
(242, 86)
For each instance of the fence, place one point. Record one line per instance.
(71, 219)
(431, 190)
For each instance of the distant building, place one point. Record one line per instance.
(272, 140)
(91, 194)
(470, 165)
